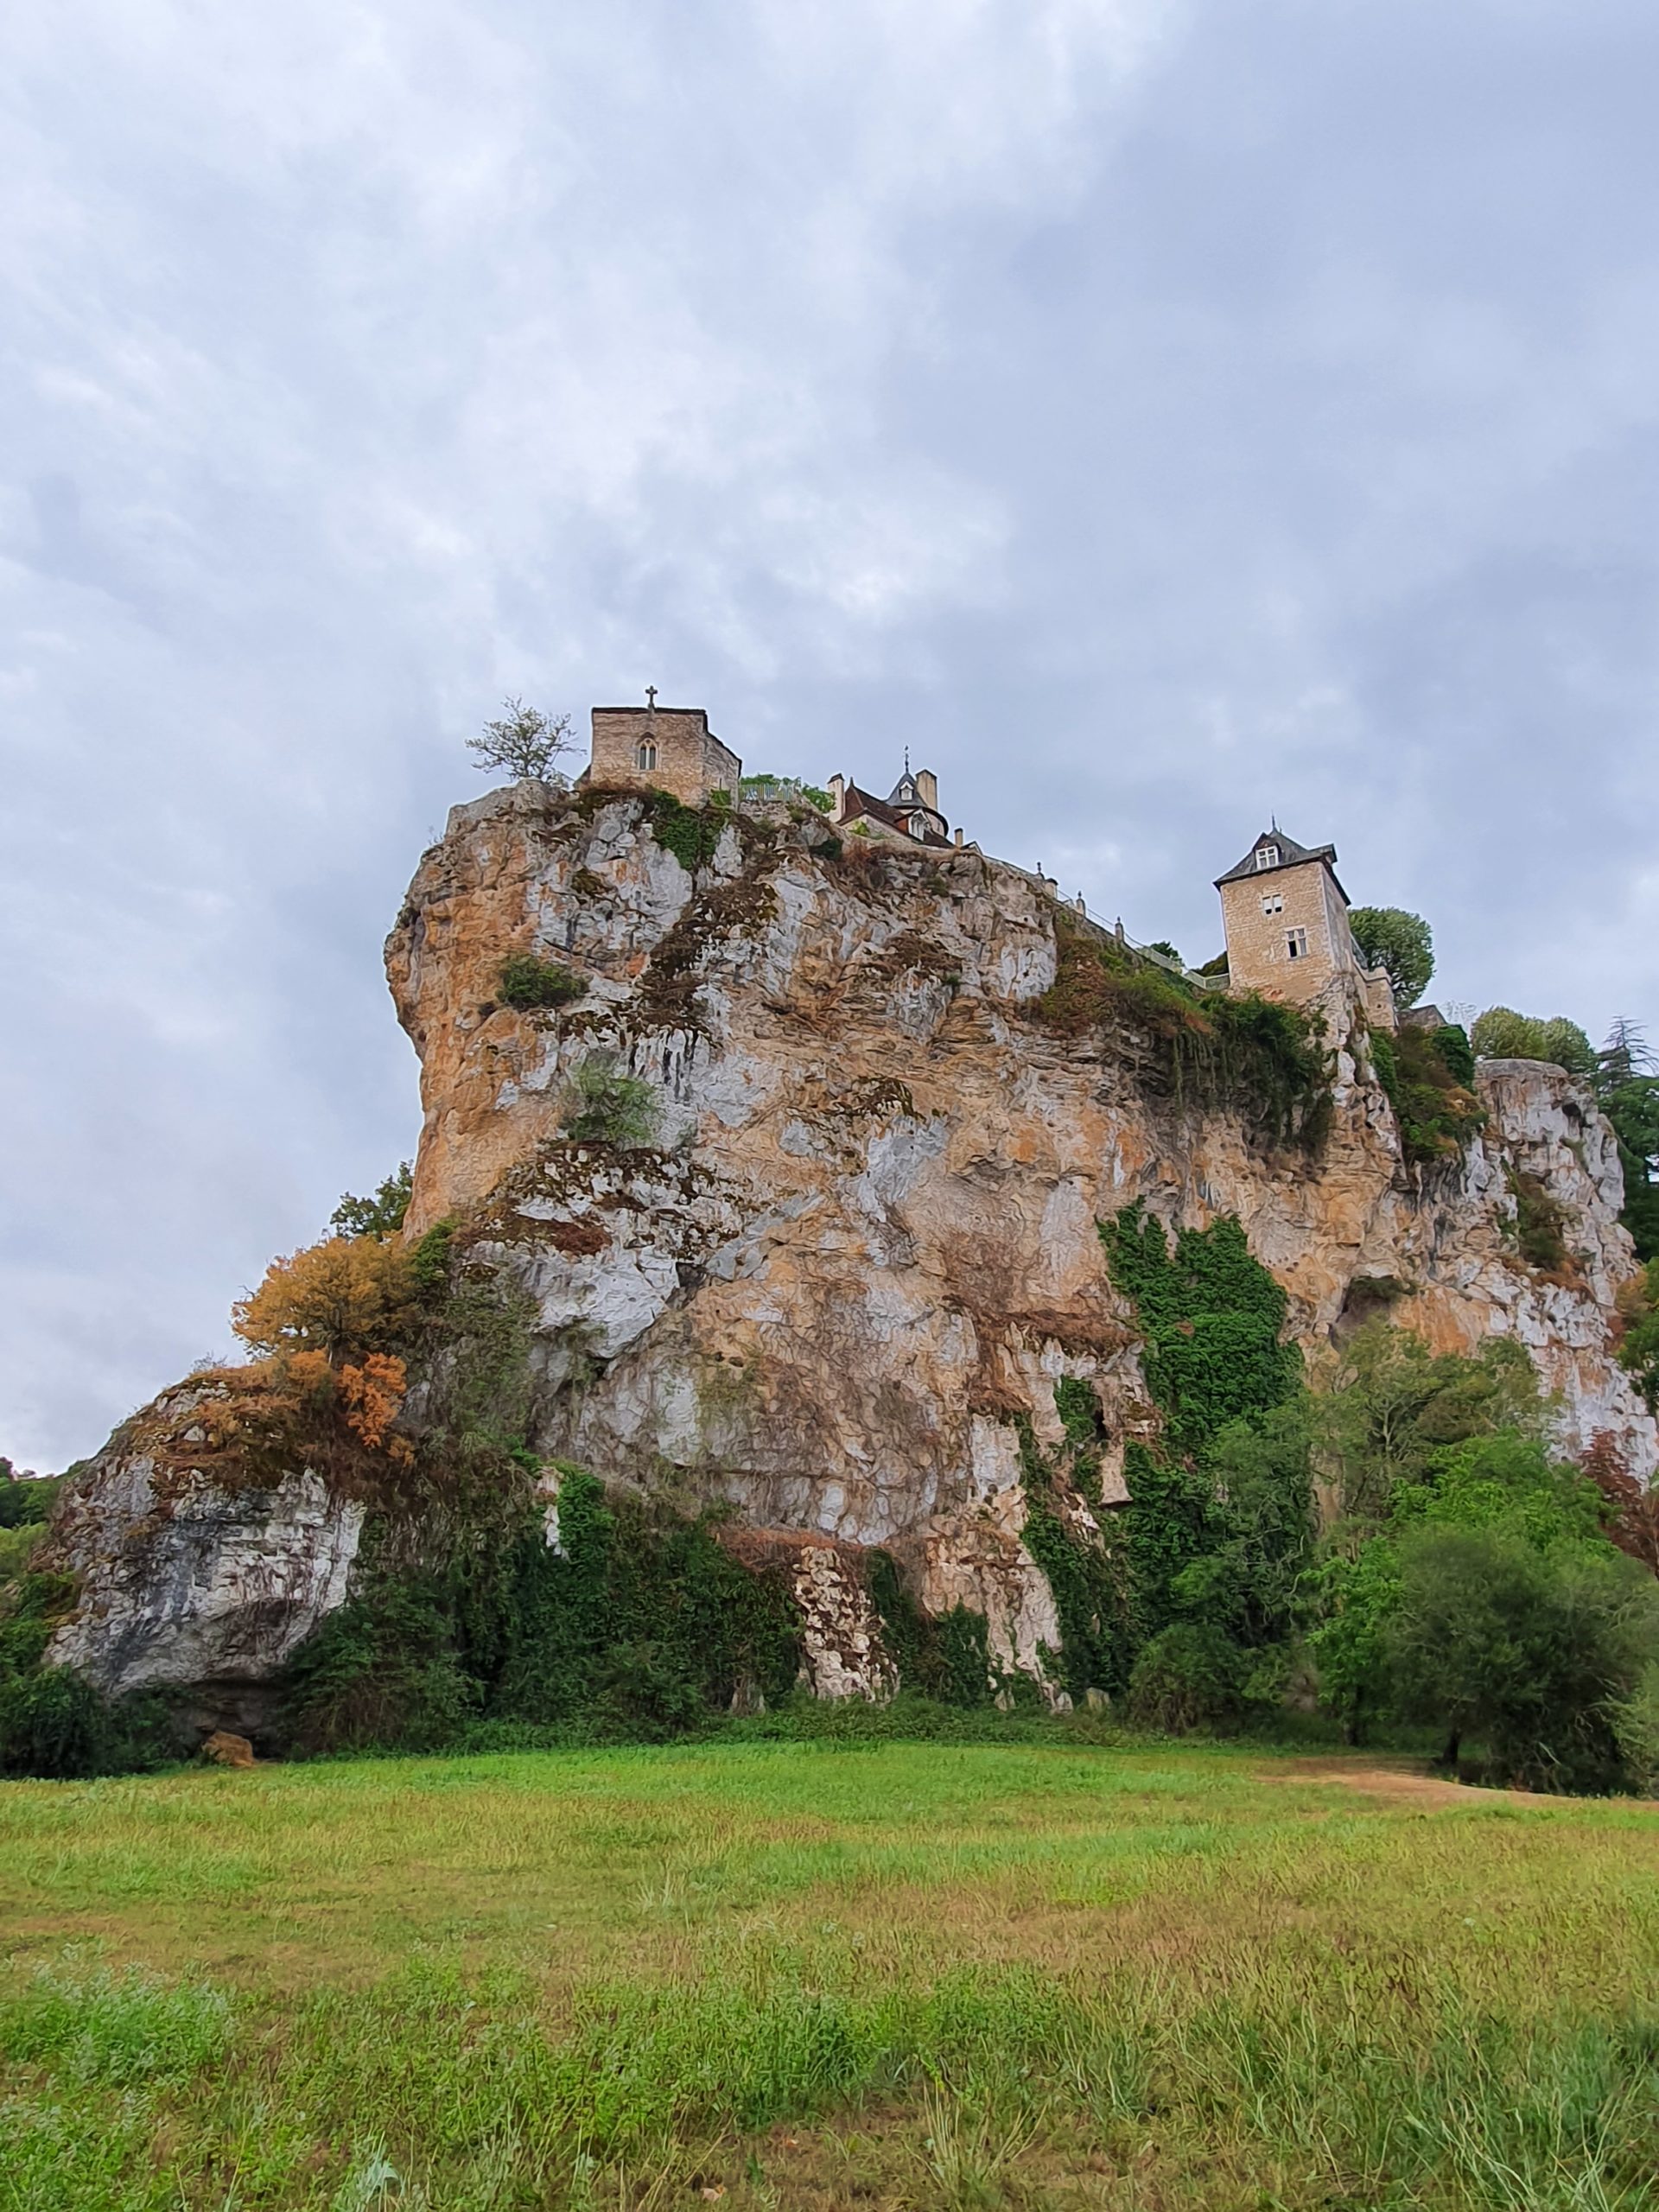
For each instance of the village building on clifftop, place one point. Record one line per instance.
(652, 748)
(1286, 918)
(910, 811)
(1283, 908)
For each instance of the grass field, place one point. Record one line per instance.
(789, 1974)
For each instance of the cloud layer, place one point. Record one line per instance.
(1156, 415)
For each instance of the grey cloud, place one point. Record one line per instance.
(1155, 414)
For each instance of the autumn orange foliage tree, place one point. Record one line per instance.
(328, 1321)
(346, 1298)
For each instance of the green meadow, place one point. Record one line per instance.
(799, 1974)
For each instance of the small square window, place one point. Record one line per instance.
(1296, 944)
(1272, 905)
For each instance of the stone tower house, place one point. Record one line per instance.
(654, 748)
(1286, 918)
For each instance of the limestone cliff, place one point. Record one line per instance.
(866, 1232)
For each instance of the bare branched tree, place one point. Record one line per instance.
(524, 742)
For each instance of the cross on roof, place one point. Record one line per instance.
(650, 697)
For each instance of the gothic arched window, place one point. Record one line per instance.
(646, 756)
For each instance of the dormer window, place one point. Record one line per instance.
(1266, 857)
(918, 826)
(646, 756)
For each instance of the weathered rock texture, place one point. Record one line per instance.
(189, 1582)
(867, 1233)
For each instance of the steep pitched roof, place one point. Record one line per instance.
(862, 801)
(1291, 854)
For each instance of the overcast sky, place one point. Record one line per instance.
(1158, 414)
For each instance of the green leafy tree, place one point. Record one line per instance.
(381, 1216)
(1392, 1403)
(1504, 1480)
(1532, 1650)
(26, 1500)
(1628, 1088)
(1400, 943)
(1639, 1350)
(1501, 1033)
(1355, 1595)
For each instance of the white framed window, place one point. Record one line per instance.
(918, 827)
(1266, 857)
(1296, 944)
(1273, 903)
(646, 756)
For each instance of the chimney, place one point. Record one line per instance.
(928, 784)
(958, 841)
(838, 796)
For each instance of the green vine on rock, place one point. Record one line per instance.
(1212, 1317)
(1212, 1506)
(1252, 1055)
(946, 1655)
(635, 1624)
(1088, 1599)
(690, 833)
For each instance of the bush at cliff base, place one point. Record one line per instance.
(55, 1724)
(1485, 1600)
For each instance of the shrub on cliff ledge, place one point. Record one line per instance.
(1501, 1033)
(381, 1215)
(604, 1106)
(1249, 1054)
(527, 981)
(523, 741)
(1428, 1074)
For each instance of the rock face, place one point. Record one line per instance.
(188, 1585)
(866, 1233)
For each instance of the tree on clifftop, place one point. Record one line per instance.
(524, 741)
(1402, 944)
(343, 1298)
(1501, 1033)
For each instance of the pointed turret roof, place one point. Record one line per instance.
(1289, 855)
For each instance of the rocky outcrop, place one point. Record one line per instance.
(871, 1230)
(189, 1583)
(865, 1233)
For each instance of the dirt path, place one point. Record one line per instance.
(1396, 1779)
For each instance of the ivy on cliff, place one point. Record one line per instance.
(1081, 1574)
(1428, 1075)
(1220, 1511)
(690, 833)
(636, 1624)
(1260, 1058)
(946, 1655)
